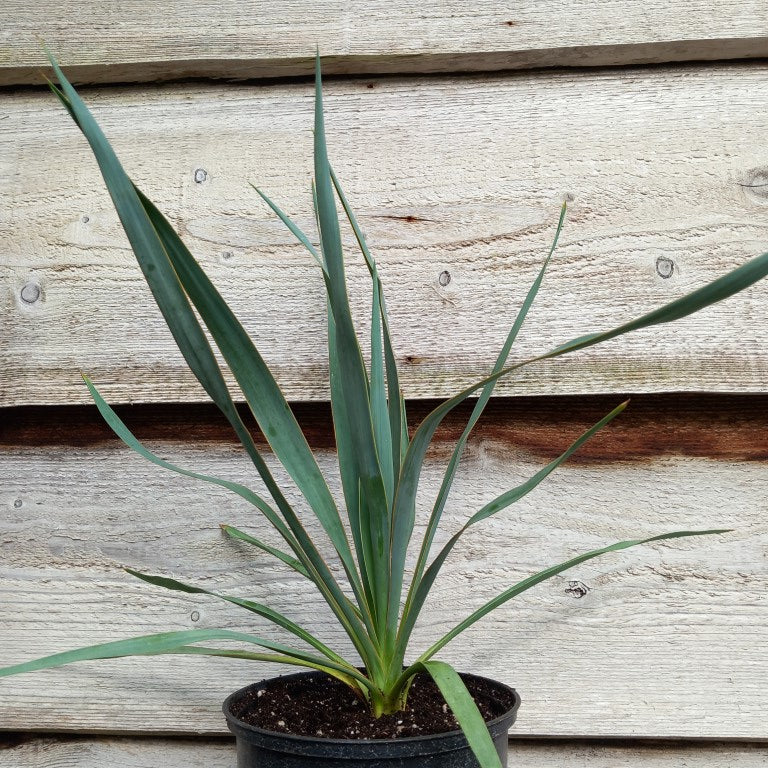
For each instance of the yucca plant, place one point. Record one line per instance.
(379, 461)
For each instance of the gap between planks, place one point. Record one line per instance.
(716, 426)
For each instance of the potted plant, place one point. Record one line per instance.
(379, 463)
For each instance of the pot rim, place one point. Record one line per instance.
(509, 714)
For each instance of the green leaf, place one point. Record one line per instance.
(477, 412)
(147, 247)
(390, 448)
(280, 427)
(122, 431)
(349, 470)
(355, 681)
(345, 449)
(235, 533)
(501, 502)
(729, 284)
(395, 402)
(292, 562)
(167, 642)
(398, 432)
(548, 573)
(160, 276)
(374, 512)
(466, 712)
(292, 226)
(156, 246)
(405, 495)
(382, 429)
(257, 608)
(264, 397)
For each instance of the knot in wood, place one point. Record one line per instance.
(665, 267)
(576, 589)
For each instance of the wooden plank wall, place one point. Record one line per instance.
(458, 132)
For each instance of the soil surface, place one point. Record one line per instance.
(325, 707)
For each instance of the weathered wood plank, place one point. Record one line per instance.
(63, 752)
(667, 641)
(457, 182)
(259, 39)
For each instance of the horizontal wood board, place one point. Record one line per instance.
(457, 182)
(201, 753)
(103, 42)
(664, 641)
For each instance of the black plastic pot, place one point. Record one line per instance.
(257, 748)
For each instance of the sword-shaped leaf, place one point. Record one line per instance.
(733, 282)
(500, 502)
(382, 429)
(349, 469)
(168, 642)
(256, 380)
(722, 288)
(465, 711)
(477, 411)
(374, 511)
(395, 403)
(353, 679)
(235, 533)
(405, 495)
(266, 401)
(165, 262)
(548, 573)
(292, 562)
(121, 430)
(344, 447)
(292, 227)
(249, 605)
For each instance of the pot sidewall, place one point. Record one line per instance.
(259, 748)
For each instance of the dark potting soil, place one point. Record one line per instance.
(325, 707)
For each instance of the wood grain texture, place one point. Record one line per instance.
(457, 182)
(101, 42)
(663, 641)
(63, 752)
